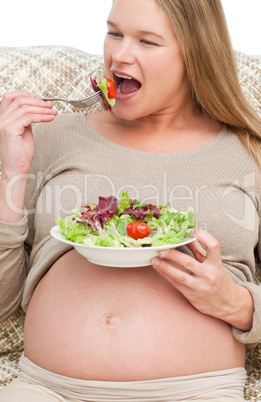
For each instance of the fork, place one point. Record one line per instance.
(80, 103)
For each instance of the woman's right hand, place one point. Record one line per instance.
(18, 111)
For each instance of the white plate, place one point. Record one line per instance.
(126, 257)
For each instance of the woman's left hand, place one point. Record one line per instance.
(204, 282)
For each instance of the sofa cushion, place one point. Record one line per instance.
(50, 71)
(11, 347)
(249, 72)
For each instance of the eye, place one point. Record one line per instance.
(149, 43)
(114, 34)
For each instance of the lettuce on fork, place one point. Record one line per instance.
(102, 86)
(105, 224)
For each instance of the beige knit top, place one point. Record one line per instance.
(74, 164)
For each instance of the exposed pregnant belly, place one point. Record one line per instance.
(101, 323)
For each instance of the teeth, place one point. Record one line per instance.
(119, 87)
(123, 76)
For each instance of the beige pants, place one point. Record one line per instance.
(35, 384)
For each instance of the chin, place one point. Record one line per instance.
(126, 113)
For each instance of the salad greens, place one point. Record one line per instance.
(103, 87)
(105, 224)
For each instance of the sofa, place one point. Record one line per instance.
(65, 71)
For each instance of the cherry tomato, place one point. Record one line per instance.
(137, 230)
(111, 88)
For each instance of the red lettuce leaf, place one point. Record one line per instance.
(141, 212)
(96, 89)
(104, 210)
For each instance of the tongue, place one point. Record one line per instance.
(129, 86)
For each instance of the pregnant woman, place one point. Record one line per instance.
(180, 132)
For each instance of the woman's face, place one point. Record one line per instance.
(143, 58)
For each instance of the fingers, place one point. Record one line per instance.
(33, 113)
(21, 109)
(210, 252)
(9, 97)
(23, 100)
(197, 250)
(15, 100)
(174, 273)
(181, 261)
(209, 255)
(204, 283)
(211, 245)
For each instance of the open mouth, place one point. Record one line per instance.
(126, 84)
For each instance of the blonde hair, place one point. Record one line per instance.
(201, 29)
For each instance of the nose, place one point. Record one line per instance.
(124, 54)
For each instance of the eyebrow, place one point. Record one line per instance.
(142, 32)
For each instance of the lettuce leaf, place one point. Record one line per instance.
(103, 87)
(105, 224)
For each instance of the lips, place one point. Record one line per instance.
(126, 84)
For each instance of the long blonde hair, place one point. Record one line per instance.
(201, 29)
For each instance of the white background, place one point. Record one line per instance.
(82, 23)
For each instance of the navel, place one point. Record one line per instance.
(110, 319)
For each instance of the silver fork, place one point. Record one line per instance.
(80, 103)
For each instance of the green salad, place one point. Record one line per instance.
(126, 223)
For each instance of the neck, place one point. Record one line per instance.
(164, 121)
(169, 130)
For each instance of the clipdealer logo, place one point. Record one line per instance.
(60, 197)
(246, 188)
